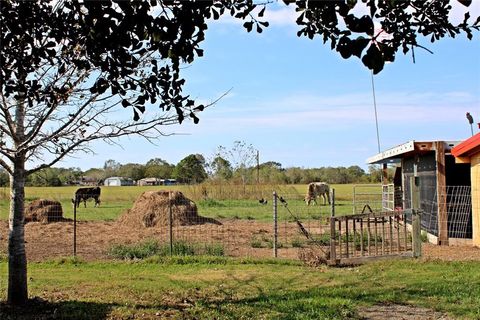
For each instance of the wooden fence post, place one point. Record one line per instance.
(75, 228)
(333, 252)
(416, 233)
(416, 218)
(170, 222)
(275, 225)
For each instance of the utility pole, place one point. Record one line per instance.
(258, 167)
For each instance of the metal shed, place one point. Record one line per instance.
(118, 181)
(444, 187)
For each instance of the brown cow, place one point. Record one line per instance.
(316, 189)
(83, 194)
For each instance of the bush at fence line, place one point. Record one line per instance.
(263, 242)
(151, 247)
(153, 208)
(44, 211)
(297, 243)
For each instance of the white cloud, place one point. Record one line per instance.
(304, 112)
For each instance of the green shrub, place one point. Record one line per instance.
(151, 248)
(424, 236)
(298, 243)
(256, 243)
(216, 250)
(141, 250)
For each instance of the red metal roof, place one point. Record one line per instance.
(467, 147)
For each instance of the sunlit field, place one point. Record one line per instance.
(221, 201)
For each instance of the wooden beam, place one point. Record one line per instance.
(441, 193)
(462, 160)
(475, 177)
(384, 174)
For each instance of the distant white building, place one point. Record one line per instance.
(149, 182)
(118, 181)
(168, 182)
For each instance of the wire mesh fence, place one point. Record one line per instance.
(94, 228)
(84, 225)
(458, 210)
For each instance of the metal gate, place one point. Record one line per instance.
(361, 237)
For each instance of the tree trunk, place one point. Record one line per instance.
(17, 259)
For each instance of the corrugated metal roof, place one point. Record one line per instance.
(395, 154)
(467, 147)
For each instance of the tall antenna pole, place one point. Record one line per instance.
(258, 166)
(375, 108)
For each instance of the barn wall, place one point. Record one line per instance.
(475, 175)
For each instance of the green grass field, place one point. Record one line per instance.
(225, 202)
(222, 288)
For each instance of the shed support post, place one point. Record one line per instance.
(416, 218)
(441, 193)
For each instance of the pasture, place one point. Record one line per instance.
(234, 276)
(226, 201)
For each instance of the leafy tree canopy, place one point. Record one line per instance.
(191, 169)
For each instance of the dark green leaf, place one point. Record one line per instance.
(373, 59)
(466, 3)
(262, 12)
(248, 25)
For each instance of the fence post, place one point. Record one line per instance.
(416, 234)
(416, 218)
(170, 223)
(333, 253)
(275, 225)
(75, 229)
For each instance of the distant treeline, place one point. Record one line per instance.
(194, 169)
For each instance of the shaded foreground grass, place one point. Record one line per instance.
(223, 288)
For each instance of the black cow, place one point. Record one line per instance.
(83, 194)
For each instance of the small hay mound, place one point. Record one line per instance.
(152, 209)
(44, 211)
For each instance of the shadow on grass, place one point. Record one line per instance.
(37, 308)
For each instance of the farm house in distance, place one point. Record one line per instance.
(469, 152)
(149, 182)
(118, 181)
(444, 188)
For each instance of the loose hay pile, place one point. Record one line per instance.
(44, 211)
(152, 208)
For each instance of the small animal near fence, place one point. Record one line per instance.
(374, 235)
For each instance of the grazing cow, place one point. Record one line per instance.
(83, 194)
(316, 189)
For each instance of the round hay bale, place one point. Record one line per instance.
(152, 208)
(44, 211)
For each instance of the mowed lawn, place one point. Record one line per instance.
(222, 288)
(116, 200)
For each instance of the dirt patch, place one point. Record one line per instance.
(153, 208)
(44, 211)
(94, 238)
(400, 312)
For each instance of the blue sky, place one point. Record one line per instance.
(301, 104)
